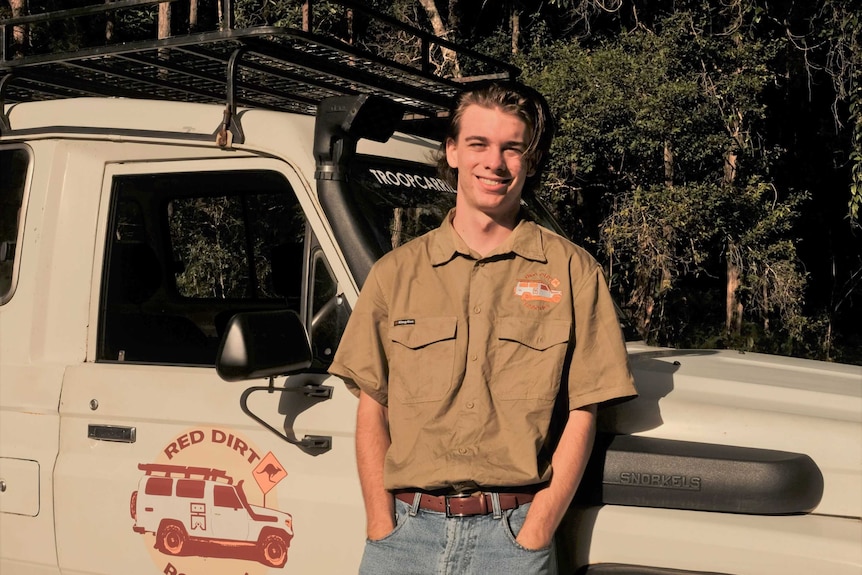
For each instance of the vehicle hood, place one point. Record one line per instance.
(752, 400)
(267, 512)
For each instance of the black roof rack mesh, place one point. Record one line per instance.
(276, 68)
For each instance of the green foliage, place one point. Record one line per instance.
(856, 156)
(654, 238)
(206, 233)
(841, 35)
(224, 244)
(649, 124)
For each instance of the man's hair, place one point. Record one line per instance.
(512, 98)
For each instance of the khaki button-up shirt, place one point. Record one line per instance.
(469, 354)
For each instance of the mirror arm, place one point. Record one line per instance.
(314, 444)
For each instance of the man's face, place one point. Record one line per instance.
(489, 156)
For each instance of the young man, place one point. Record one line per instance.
(479, 352)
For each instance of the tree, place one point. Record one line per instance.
(657, 135)
(20, 34)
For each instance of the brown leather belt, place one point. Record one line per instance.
(467, 504)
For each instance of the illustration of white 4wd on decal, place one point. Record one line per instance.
(537, 290)
(199, 511)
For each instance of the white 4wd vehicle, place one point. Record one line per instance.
(149, 247)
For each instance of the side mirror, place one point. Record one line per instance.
(269, 344)
(263, 344)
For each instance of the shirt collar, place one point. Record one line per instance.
(524, 241)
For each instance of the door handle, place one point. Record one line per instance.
(116, 433)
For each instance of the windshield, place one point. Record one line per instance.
(403, 200)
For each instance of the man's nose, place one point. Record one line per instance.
(494, 159)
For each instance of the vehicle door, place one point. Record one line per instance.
(181, 247)
(230, 518)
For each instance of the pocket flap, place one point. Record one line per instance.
(539, 335)
(424, 331)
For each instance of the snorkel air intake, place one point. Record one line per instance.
(341, 123)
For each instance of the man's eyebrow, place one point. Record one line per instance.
(484, 140)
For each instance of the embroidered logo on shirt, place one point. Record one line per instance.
(537, 291)
(405, 322)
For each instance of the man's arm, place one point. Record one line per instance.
(372, 442)
(568, 463)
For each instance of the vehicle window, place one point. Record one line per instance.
(159, 486)
(14, 167)
(401, 200)
(224, 496)
(188, 251)
(190, 488)
(329, 312)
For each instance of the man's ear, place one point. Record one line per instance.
(451, 153)
(533, 164)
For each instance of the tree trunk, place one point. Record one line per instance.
(734, 308)
(193, 15)
(440, 30)
(307, 20)
(730, 167)
(20, 34)
(397, 226)
(516, 28)
(455, 17)
(164, 20)
(668, 164)
(110, 24)
(164, 32)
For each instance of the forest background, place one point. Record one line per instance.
(709, 154)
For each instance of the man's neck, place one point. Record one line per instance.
(481, 232)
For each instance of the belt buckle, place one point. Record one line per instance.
(458, 496)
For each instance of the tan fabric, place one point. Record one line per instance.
(468, 353)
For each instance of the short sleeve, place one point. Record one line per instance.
(361, 359)
(599, 368)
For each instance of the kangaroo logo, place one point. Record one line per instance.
(271, 470)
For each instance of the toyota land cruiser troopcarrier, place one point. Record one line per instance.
(175, 213)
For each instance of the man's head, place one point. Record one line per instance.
(513, 99)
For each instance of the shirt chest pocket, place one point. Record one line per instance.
(422, 359)
(529, 357)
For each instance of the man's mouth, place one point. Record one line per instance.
(492, 182)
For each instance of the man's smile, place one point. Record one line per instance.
(494, 181)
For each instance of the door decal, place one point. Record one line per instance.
(201, 506)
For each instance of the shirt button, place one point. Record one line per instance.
(462, 450)
(477, 309)
(470, 405)
(474, 357)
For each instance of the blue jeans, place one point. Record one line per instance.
(429, 543)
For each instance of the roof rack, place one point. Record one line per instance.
(271, 67)
(185, 472)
